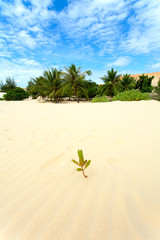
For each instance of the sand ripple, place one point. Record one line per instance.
(42, 197)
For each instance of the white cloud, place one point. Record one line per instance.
(21, 69)
(26, 39)
(28, 62)
(120, 62)
(26, 27)
(96, 21)
(101, 22)
(24, 16)
(156, 66)
(85, 31)
(144, 33)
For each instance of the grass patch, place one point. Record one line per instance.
(131, 95)
(100, 99)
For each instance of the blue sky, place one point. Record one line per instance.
(94, 34)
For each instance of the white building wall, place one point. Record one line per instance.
(1, 94)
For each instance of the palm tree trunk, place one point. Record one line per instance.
(76, 94)
(77, 99)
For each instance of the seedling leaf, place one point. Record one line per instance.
(75, 162)
(81, 158)
(87, 164)
(84, 162)
(79, 169)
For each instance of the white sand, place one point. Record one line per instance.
(42, 197)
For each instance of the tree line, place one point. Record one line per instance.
(56, 84)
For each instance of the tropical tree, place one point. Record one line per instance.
(74, 81)
(47, 85)
(35, 88)
(127, 83)
(111, 82)
(100, 90)
(91, 87)
(51, 83)
(144, 83)
(9, 85)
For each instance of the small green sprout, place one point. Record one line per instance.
(83, 164)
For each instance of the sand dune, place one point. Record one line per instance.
(42, 197)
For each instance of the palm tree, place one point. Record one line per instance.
(127, 83)
(74, 81)
(52, 83)
(49, 84)
(34, 87)
(111, 81)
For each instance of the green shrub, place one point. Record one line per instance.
(144, 83)
(131, 95)
(1, 99)
(156, 94)
(100, 99)
(16, 94)
(9, 85)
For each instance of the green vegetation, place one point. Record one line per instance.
(1, 99)
(144, 83)
(91, 87)
(16, 94)
(100, 90)
(9, 85)
(111, 82)
(131, 95)
(127, 83)
(47, 85)
(156, 94)
(55, 84)
(100, 99)
(83, 164)
(71, 84)
(32, 88)
(74, 82)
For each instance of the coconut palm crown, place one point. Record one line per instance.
(74, 81)
(127, 82)
(52, 82)
(111, 81)
(49, 83)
